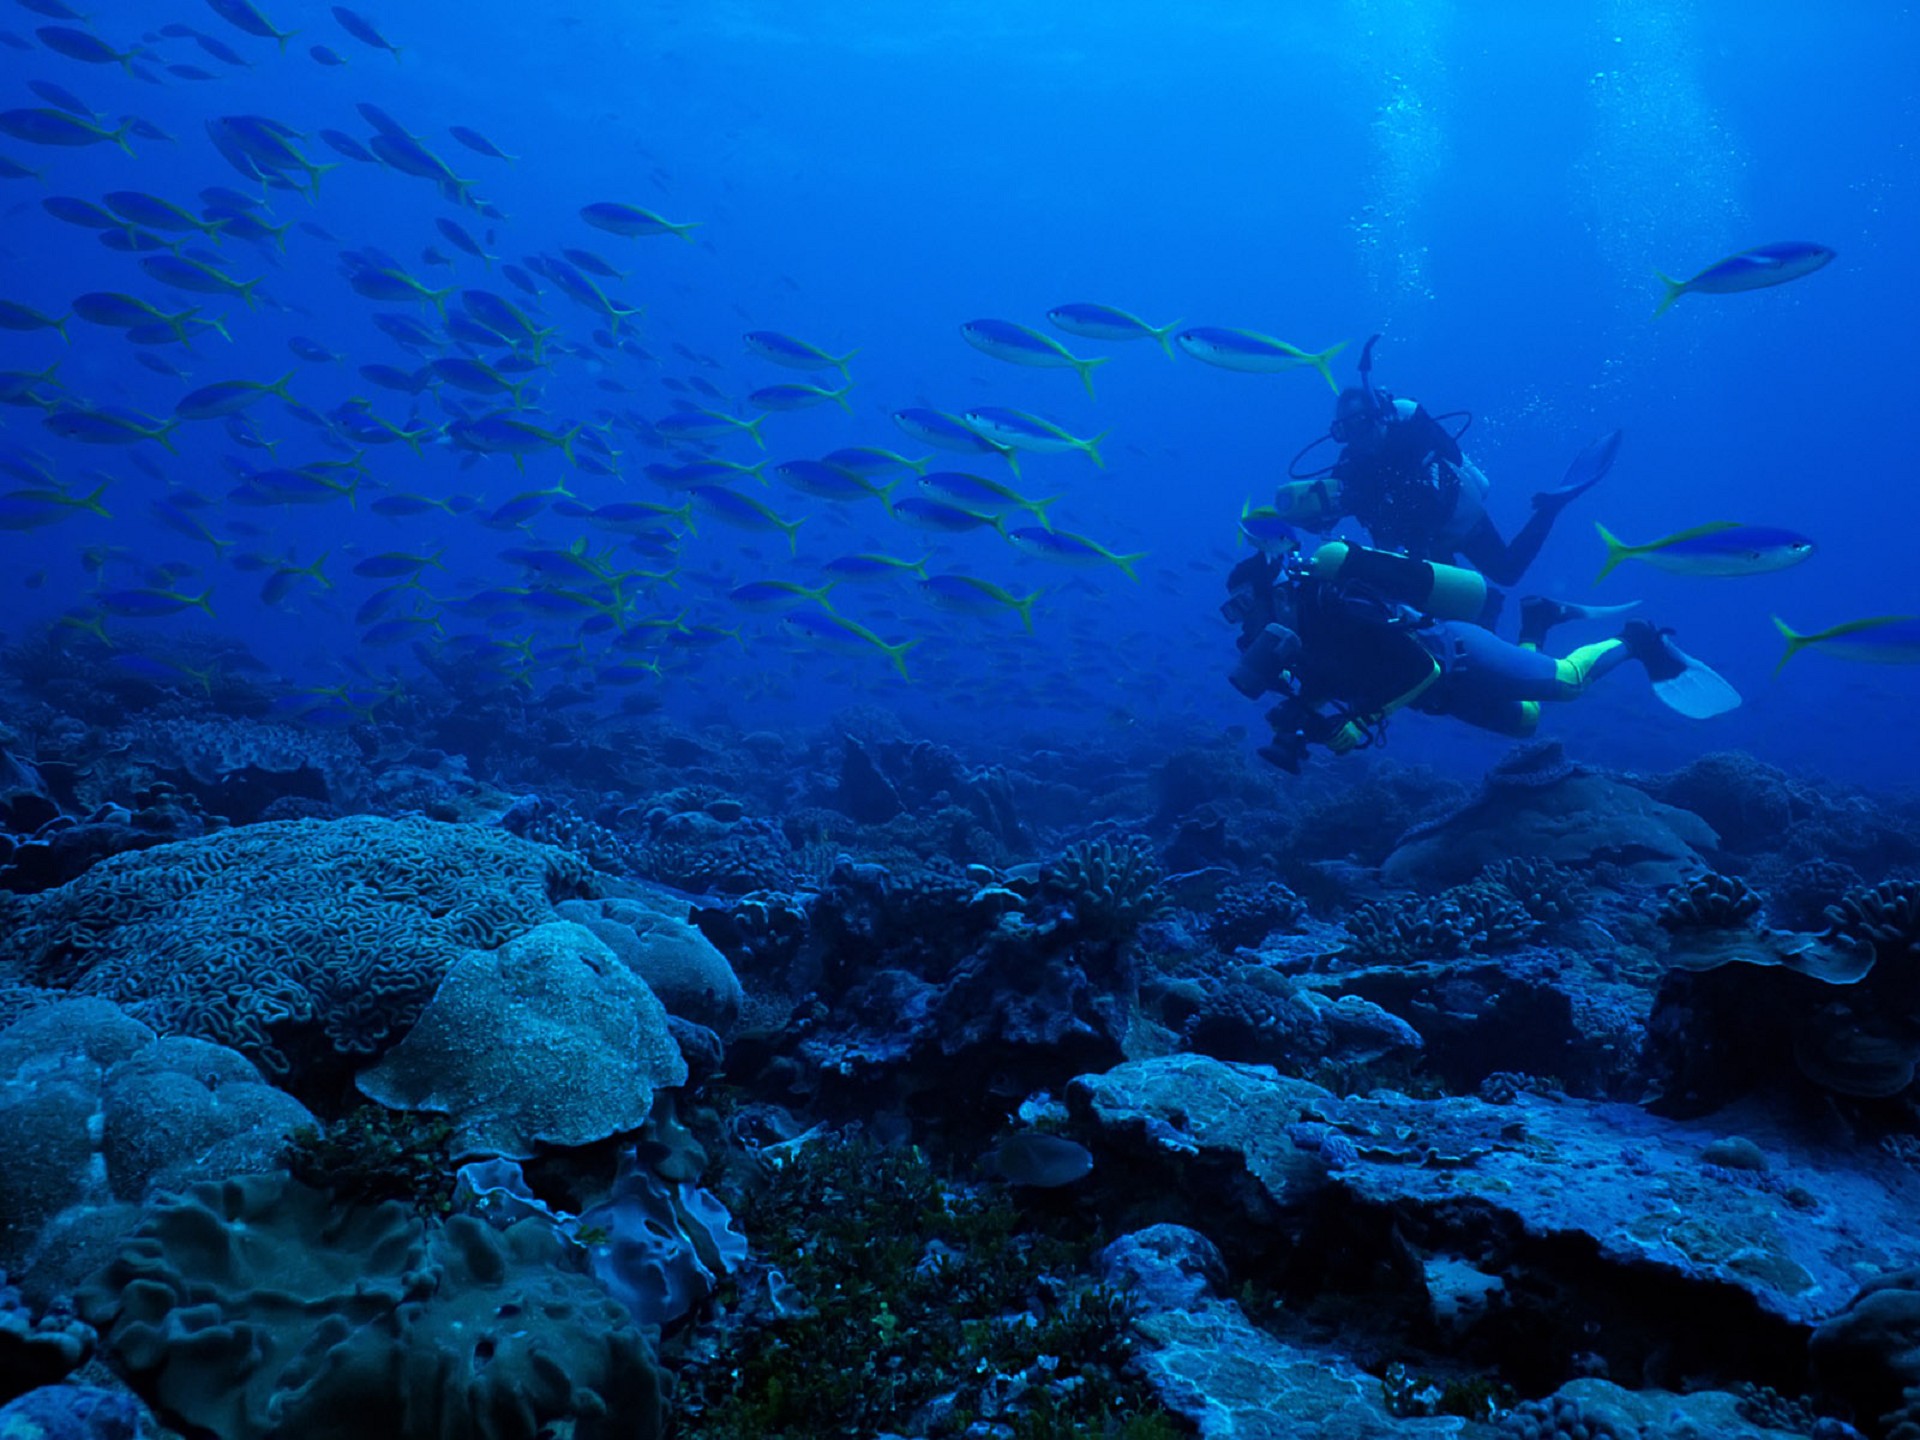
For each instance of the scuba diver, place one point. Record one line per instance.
(1402, 475)
(1348, 636)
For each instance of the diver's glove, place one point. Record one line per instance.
(1349, 737)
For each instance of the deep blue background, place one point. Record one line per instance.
(1490, 186)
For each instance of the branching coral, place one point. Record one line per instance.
(1112, 886)
(1709, 901)
(1246, 915)
(1473, 919)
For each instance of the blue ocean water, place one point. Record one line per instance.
(1491, 189)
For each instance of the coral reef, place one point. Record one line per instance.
(1481, 918)
(1111, 888)
(365, 1320)
(1244, 915)
(1709, 901)
(547, 1040)
(293, 942)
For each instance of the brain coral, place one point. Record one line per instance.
(288, 941)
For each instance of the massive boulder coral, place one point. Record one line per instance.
(255, 1309)
(1538, 803)
(99, 1112)
(547, 1040)
(296, 943)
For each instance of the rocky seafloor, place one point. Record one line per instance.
(505, 1072)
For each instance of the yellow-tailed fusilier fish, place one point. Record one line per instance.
(1017, 430)
(1720, 548)
(1103, 322)
(1755, 269)
(1252, 353)
(845, 637)
(1017, 345)
(795, 354)
(1879, 640)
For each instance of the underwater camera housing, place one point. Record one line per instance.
(1263, 664)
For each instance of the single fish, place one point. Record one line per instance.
(229, 397)
(1252, 353)
(458, 237)
(57, 127)
(478, 143)
(1755, 269)
(138, 208)
(1103, 322)
(327, 56)
(342, 143)
(875, 567)
(834, 632)
(873, 464)
(828, 482)
(945, 519)
(86, 47)
(973, 596)
(795, 354)
(633, 221)
(1017, 345)
(981, 496)
(395, 565)
(775, 596)
(1073, 549)
(15, 316)
(109, 426)
(1879, 640)
(363, 30)
(181, 273)
(1267, 531)
(242, 16)
(949, 432)
(1017, 430)
(1721, 548)
(747, 513)
(799, 397)
(151, 604)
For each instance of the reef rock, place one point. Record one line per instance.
(1539, 805)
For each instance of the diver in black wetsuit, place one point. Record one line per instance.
(1349, 636)
(1402, 475)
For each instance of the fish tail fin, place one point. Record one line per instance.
(1091, 448)
(1023, 606)
(219, 326)
(840, 364)
(840, 397)
(119, 136)
(61, 326)
(919, 567)
(247, 288)
(1796, 642)
(317, 572)
(919, 467)
(898, 655)
(1675, 289)
(819, 596)
(279, 387)
(1126, 563)
(1086, 368)
(439, 299)
(1326, 370)
(1164, 334)
(202, 601)
(1038, 509)
(1012, 457)
(1616, 552)
(752, 427)
(565, 440)
(792, 527)
(163, 434)
(685, 230)
(91, 501)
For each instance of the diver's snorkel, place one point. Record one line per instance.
(1374, 397)
(1379, 409)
